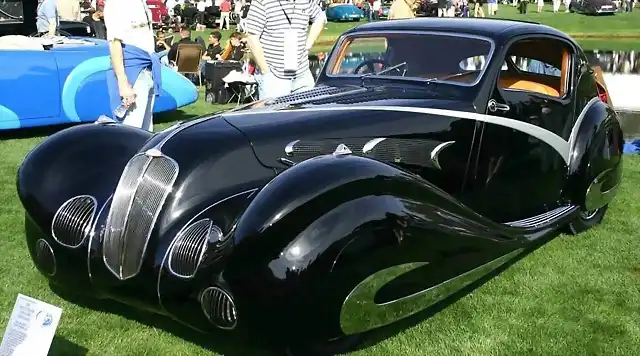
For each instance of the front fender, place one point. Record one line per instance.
(82, 160)
(293, 231)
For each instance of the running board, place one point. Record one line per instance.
(543, 219)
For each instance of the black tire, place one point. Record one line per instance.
(210, 98)
(571, 9)
(329, 348)
(587, 220)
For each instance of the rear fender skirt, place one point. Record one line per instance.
(595, 165)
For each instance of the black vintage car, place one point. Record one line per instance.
(593, 7)
(430, 153)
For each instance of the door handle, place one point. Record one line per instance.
(494, 106)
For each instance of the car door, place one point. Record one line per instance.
(29, 88)
(520, 168)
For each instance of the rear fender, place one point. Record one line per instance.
(595, 165)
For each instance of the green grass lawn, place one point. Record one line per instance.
(576, 295)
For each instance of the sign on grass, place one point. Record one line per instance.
(31, 328)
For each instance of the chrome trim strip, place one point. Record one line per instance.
(488, 59)
(576, 127)
(180, 128)
(370, 145)
(435, 153)
(166, 253)
(87, 231)
(556, 142)
(93, 233)
(361, 299)
(288, 149)
(543, 218)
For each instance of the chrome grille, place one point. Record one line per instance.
(219, 308)
(72, 222)
(142, 190)
(45, 259)
(190, 247)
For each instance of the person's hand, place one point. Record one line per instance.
(126, 93)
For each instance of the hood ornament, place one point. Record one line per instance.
(341, 150)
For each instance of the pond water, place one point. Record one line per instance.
(621, 70)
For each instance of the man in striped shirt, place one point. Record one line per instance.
(278, 39)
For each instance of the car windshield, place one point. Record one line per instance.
(437, 57)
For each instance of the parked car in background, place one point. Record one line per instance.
(344, 12)
(68, 76)
(593, 7)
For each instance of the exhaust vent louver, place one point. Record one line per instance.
(190, 246)
(45, 259)
(219, 308)
(72, 222)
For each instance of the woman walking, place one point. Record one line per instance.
(477, 10)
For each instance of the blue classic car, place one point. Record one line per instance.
(64, 83)
(344, 12)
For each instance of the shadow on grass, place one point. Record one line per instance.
(232, 345)
(64, 347)
(226, 344)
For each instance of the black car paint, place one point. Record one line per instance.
(374, 213)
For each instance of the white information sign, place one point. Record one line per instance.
(31, 328)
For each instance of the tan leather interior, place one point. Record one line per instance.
(548, 51)
(527, 85)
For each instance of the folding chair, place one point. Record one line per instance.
(188, 59)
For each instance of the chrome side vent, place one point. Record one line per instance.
(142, 190)
(72, 222)
(45, 258)
(219, 308)
(190, 246)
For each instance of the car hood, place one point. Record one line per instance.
(317, 121)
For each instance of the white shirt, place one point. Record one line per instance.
(376, 5)
(201, 6)
(130, 22)
(218, 2)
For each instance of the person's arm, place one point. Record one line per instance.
(319, 19)
(52, 16)
(115, 30)
(256, 21)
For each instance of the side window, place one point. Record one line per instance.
(540, 66)
(535, 66)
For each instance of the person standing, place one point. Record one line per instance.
(225, 11)
(401, 9)
(69, 10)
(492, 7)
(377, 7)
(135, 79)
(278, 39)
(96, 21)
(47, 18)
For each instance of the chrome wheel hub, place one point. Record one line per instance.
(588, 214)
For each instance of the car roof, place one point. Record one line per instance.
(499, 30)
